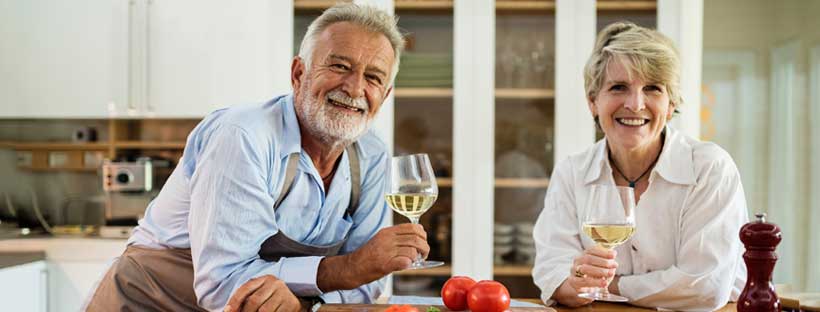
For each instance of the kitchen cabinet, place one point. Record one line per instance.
(72, 266)
(64, 59)
(70, 282)
(140, 58)
(23, 287)
(203, 55)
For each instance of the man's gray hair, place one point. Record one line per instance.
(369, 17)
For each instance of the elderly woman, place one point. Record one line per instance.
(685, 253)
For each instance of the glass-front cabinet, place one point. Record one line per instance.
(524, 128)
(522, 118)
(524, 124)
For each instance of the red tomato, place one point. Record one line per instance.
(401, 308)
(454, 292)
(488, 296)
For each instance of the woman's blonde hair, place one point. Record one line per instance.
(645, 52)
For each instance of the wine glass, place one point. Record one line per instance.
(609, 221)
(412, 192)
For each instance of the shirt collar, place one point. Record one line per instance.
(674, 165)
(292, 138)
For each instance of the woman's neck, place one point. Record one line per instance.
(634, 162)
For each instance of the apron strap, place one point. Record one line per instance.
(355, 177)
(290, 173)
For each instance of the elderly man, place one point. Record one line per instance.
(280, 200)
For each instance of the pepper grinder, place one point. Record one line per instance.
(761, 239)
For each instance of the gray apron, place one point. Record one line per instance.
(145, 279)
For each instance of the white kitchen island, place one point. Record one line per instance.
(73, 266)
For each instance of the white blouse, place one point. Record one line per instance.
(686, 252)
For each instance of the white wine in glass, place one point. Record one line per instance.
(609, 222)
(609, 235)
(413, 190)
(411, 206)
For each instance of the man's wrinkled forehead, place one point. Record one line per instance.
(354, 44)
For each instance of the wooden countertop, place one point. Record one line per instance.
(421, 308)
(614, 307)
(596, 306)
(10, 259)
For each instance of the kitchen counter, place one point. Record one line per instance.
(595, 306)
(619, 307)
(10, 259)
(67, 248)
(72, 266)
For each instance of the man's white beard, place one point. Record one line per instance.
(329, 124)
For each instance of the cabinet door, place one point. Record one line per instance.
(71, 282)
(62, 58)
(23, 287)
(203, 55)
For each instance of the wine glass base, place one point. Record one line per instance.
(424, 265)
(603, 297)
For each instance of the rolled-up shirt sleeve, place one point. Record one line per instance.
(371, 216)
(231, 215)
(708, 252)
(557, 239)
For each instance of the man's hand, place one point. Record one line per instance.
(391, 249)
(265, 293)
(594, 268)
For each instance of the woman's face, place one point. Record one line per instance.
(632, 112)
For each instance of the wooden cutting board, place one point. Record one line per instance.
(421, 308)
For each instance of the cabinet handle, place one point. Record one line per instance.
(138, 58)
(131, 98)
(44, 289)
(148, 106)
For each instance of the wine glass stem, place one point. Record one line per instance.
(603, 290)
(419, 260)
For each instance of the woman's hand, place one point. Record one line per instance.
(594, 268)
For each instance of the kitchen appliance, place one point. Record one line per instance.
(128, 176)
(129, 188)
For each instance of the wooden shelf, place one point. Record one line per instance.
(512, 270)
(62, 146)
(634, 5)
(511, 93)
(446, 270)
(313, 4)
(439, 5)
(149, 145)
(506, 182)
(522, 182)
(398, 4)
(424, 92)
(61, 169)
(525, 6)
(424, 4)
(500, 93)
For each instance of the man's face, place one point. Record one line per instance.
(348, 79)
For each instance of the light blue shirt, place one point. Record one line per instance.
(219, 203)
